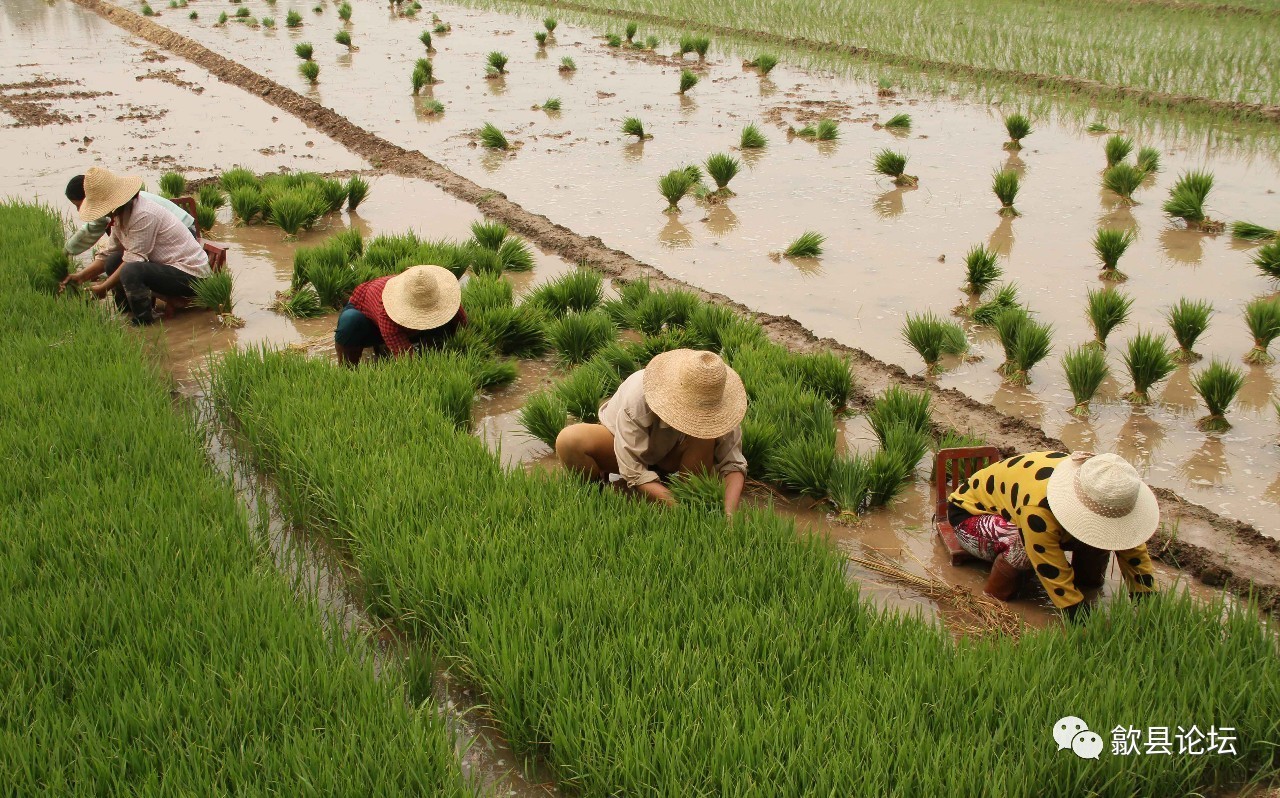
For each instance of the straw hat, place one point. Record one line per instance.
(104, 192)
(695, 392)
(422, 297)
(1101, 501)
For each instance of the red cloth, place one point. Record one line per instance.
(367, 298)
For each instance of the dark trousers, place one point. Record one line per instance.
(139, 280)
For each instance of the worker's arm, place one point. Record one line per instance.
(1044, 550)
(90, 272)
(733, 482)
(86, 236)
(630, 442)
(100, 289)
(657, 492)
(732, 466)
(1135, 567)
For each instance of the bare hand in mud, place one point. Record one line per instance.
(99, 289)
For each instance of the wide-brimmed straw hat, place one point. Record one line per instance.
(105, 191)
(695, 392)
(1101, 501)
(422, 297)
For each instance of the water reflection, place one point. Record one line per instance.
(1207, 466)
(1079, 434)
(633, 151)
(1178, 392)
(491, 160)
(888, 204)
(1139, 438)
(1118, 218)
(674, 234)
(767, 87)
(1015, 163)
(720, 219)
(1182, 246)
(1001, 239)
(828, 148)
(687, 105)
(1259, 389)
(1018, 401)
(810, 267)
(497, 85)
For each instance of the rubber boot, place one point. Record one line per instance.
(1003, 581)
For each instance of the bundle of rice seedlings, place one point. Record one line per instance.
(483, 261)
(211, 196)
(1267, 259)
(1109, 245)
(222, 19)
(932, 338)
(1106, 310)
(489, 234)
(237, 177)
(1033, 344)
(550, 24)
(310, 70)
(246, 203)
(954, 439)
(1148, 361)
(422, 74)
(496, 63)
(544, 416)
(1252, 232)
(344, 12)
(147, 10)
(700, 490)
(1086, 368)
(293, 19)
(898, 406)
(1218, 383)
(892, 467)
(824, 130)
(752, 138)
(685, 43)
(349, 241)
(1117, 149)
(662, 310)
(519, 331)
(567, 65)
(1262, 315)
(172, 184)
(515, 256)
(484, 292)
(1005, 184)
(492, 137)
(332, 280)
(1149, 160)
(431, 107)
(722, 169)
(301, 303)
(242, 13)
(335, 194)
(807, 245)
(613, 40)
(206, 217)
(1189, 319)
(674, 185)
(578, 336)
(632, 126)
(304, 50)
(1009, 324)
(268, 22)
(214, 292)
(583, 391)
(579, 290)
(357, 188)
(1123, 179)
(1018, 127)
(1187, 198)
(765, 62)
(899, 122)
(849, 484)
(688, 79)
(343, 38)
(631, 31)
(295, 210)
(442, 27)
(893, 164)
(701, 46)
(802, 465)
(1004, 298)
(651, 42)
(425, 38)
(982, 269)
(551, 104)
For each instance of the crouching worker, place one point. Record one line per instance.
(149, 249)
(418, 308)
(683, 412)
(1024, 513)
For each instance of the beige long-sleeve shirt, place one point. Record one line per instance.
(641, 439)
(152, 234)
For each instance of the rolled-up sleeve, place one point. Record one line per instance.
(630, 439)
(1135, 567)
(728, 453)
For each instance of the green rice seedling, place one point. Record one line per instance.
(246, 203)
(583, 391)
(488, 373)
(310, 70)
(147, 10)
(544, 416)
(1107, 309)
(1218, 383)
(442, 28)
(304, 50)
(1187, 198)
(1098, 126)
(899, 122)
(982, 269)
(824, 373)
(632, 126)
(632, 28)
(1262, 316)
(1005, 184)
(1009, 324)
(515, 256)
(578, 336)
(826, 130)
(551, 104)
(1252, 232)
(1033, 344)
(210, 195)
(541, 38)
(293, 19)
(1085, 368)
(1267, 259)
(344, 12)
(519, 331)
(357, 189)
(807, 245)
(686, 43)
(1018, 126)
(425, 38)
(1117, 149)
(268, 22)
(335, 194)
(723, 329)
(421, 75)
(292, 211)
(206, 217)
(483, 261)
(550, 24)
(301, 303)
(578, 291)
(613, 40)
(1149, 160)
(484, 292)
(237, 177)
(954, 439)
(899, 406)
(222, 18)
(1005, 297)
(752, 138)
(489, 234)
(1109, 245)
(173, 184)
(699, 490)
(431, 107)
(343, 37)
(194, 15)
(497, 61)
(765, 62)
(214, 292)
(1123, 179)
(673, 186)
(1148, 361)
(722, 168)
(493, 138)
(567, 65)
(619, 360)
(688, 79)
(802, 465)
(891, 163)
(332, 280)
(701, 46)
(662, 309)
(651, 42)
(849, 484)
(1188, 319)
(932, 337)
(51, 267)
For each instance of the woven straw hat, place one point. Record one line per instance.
(695, 392)
(422, 297)
(104, 192)
(1100, 500)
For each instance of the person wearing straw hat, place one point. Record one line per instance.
(149, 249)
(1026, 512)
(682, 412)
(418, 308)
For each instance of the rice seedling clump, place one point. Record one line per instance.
(578, 336)
(310, 70)
(764, 62)
(1262, 316)
(899, 122)
(496, 63)
(1252, 232)
(173, 184)
(1109, 245)
(1123, 179)
(492, 137)
(688, 79)
(891, 163)
(304, 50)
(1005, 184)
(1107, 310)
(1187, 200)
(722, 168)
(1148, 361)
(982, 269)
(1267, 259)
(1018, 126)
(674, 186)
(567, 65)
(807, 245)
(633, 126)
(752, 138)
(1117, 149)
(1002, 299)
(1149, 160)
(933, 337)
(1188, 319)
(1218, 383)
(1085, 368)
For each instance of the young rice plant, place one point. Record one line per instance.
(1188, 319)
(1148, 361)
(1085, 368)
(1218, 383)
(1107, 309)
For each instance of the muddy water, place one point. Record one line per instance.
(885, 244)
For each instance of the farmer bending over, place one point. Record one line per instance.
(418, 308)
(1025, 512)
(149, 249)
(681, 413)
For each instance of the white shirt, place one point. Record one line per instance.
(153, 234)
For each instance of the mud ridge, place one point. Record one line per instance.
(1220, 550)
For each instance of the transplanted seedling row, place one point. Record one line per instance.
(292, 202)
